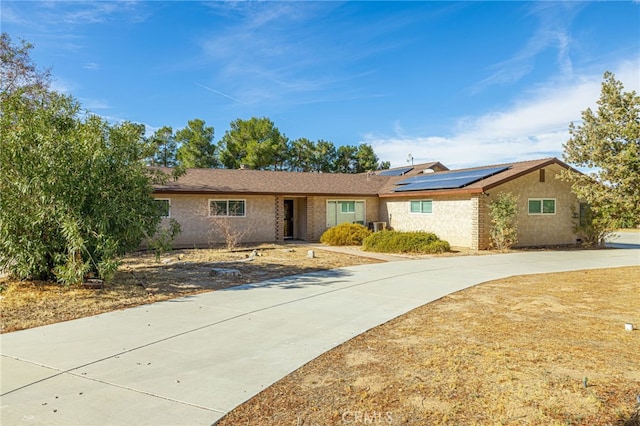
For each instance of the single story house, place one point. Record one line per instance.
(272, 206)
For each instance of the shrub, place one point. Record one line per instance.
(162, 242)
(593, 227)
(345, 234)
(405, 242)
(504, 225)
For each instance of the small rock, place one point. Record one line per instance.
(311, 254)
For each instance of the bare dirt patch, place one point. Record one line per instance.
(546, 349)
(142, 280)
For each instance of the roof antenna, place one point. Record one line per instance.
(410, 159)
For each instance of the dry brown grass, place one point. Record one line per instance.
(509, 352)
(142, 280)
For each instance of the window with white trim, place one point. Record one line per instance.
(164, 206)
(542, 206)
(340, 211)
(227, 208)
(421, 206)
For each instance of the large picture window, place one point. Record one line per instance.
(229, 208)
(421, 206)
(544, 206)
(340, 211)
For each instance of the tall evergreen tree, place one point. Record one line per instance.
(608, 142)
(301, 153)
(366, 159)
(255, 143)
(346, 159)
(164, 146)
(197, 149)
(324, 157)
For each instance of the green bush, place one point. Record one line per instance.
(405, 242)
(345, 234)
(504, 224)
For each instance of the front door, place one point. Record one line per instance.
(288, 219)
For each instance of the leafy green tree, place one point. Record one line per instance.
(164, 146)
(366, 159)
(324, 157)
(255, 143)
(74, 191)
(608, 141)
(360, 159)
(346, 159)
(18, 72)
(301, 154)
(197, 149)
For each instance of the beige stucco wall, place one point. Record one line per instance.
(317, 213)
(539, 230)
(465, 221)
(263, 220)
(198, 229)
(451, 218)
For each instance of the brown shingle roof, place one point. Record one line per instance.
(515, 170)
(226, 181)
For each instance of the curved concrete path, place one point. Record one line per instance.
(191, 360)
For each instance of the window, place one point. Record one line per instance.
(542, 206)
(164, 205)
(421, 206)
(235, 208)
(347, 206)
(341, 211)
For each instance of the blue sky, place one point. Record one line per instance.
(464, 83)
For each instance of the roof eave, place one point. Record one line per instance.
(292, 194)
(529, 170)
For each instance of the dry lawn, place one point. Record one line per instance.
(517, 351)
(142, 280)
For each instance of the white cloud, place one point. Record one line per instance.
(94, 104)
(553, 32)
(534, 127)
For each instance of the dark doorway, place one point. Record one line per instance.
(288, 219)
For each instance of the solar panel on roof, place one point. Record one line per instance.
(396, 172)
(447, 180)
(481, 173)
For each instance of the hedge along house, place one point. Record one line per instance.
(270, 206)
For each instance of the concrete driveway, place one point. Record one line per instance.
(191, 360)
